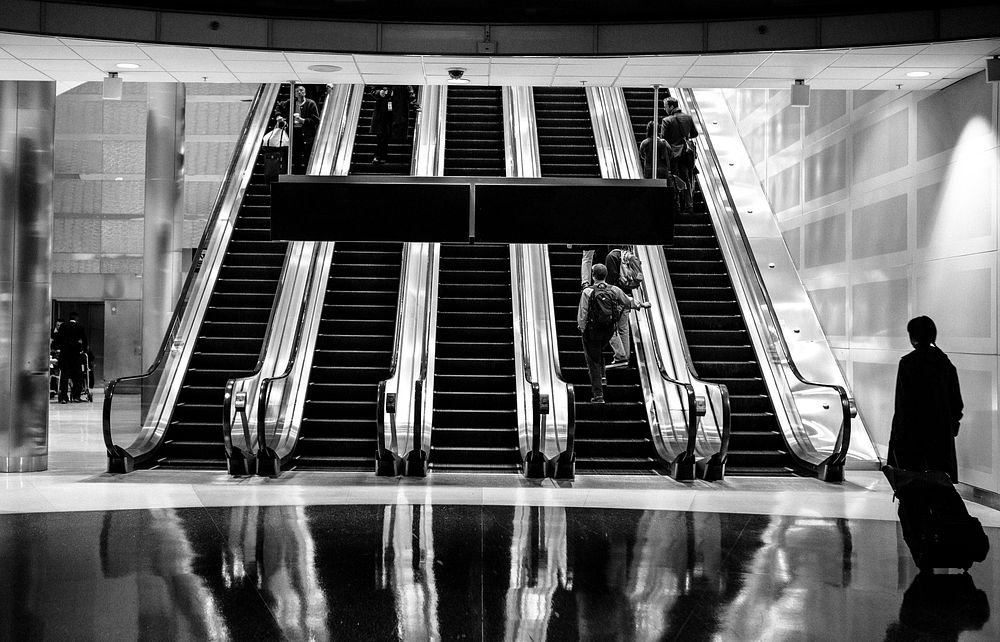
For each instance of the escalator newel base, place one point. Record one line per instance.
(684, 467)
(241, 463)
(712, 469)
(562, 466)
(830, 472)
(268, 463)
(415, 463)
(535, 465)
(120, 461)
(388, 465)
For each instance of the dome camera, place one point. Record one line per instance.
(456, 74)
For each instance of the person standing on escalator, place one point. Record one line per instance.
(680, 131)
(305, 121)
(391, 117)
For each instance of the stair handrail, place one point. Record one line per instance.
(545, 280)
(838, 456)
(258, 115)
(397, 347)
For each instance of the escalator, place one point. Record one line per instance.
(474, 424)
(716, 331)
(232, 333)
(613, 437)
(474, 135)
(354, 343)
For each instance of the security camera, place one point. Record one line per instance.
(456, 73)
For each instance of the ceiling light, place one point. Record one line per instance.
(917, 74)
(127, 65)
(324, 69)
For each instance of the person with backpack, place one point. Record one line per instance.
(597, 317)
(679, 130)
(624, 271)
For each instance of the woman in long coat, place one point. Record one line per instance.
(928, 405)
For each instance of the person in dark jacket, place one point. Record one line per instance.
(678, 128)
(594, 339)
(928, 405)
(621, 340)
(390, 117)
(305, 121)
(71, 341)
(646, 154)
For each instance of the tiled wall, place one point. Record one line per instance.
(99, 191)
(888, 205)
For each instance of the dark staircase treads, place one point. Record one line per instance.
(474, 135)
(639, 101)
(475, 397)
(565, 135)
(232, 332)
(400, 151)
(353, 353)
(613, 437)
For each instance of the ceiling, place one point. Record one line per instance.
(70, 61)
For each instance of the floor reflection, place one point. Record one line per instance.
(467, 572)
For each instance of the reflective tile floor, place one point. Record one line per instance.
(200, 556)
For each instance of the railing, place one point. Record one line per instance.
(534, 459)
(831, 467)
(302, 258)
(388, 459)
(156, 393)
(415, 462)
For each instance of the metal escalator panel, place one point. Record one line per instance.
(400, 151)
(352, 353)
(715, 329)
(474, 144)
(232, 332)
(475, 423)
(565, 136)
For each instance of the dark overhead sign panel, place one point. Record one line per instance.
(458, 209)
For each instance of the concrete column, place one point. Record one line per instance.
(163, 243)
(27, 126)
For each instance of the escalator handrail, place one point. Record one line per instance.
(264, 389)
(182, 302)
(397, 348)
(418, 419)
(553, 347)
(843, 442)
(726, 433)
(526, 371)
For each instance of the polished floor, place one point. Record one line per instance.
(199, 556)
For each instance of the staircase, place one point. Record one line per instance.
(475, 399)
(474, 134)
(353, 353)
(232, 333)
(715, 329)
(400, 152)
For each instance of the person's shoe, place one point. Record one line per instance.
(597, 400)
(76, 400)
(63, 400)
(616, 364)
(604, 381)
(378, 161)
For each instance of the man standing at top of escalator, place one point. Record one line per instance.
(305, 121)
(679, 130)
(390, 117)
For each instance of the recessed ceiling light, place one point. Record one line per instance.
(325, 69)
(127, 65)
(917, 74)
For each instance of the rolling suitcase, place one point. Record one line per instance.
(937, 527)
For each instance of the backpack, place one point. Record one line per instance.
(604, 310)
(630, 273)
